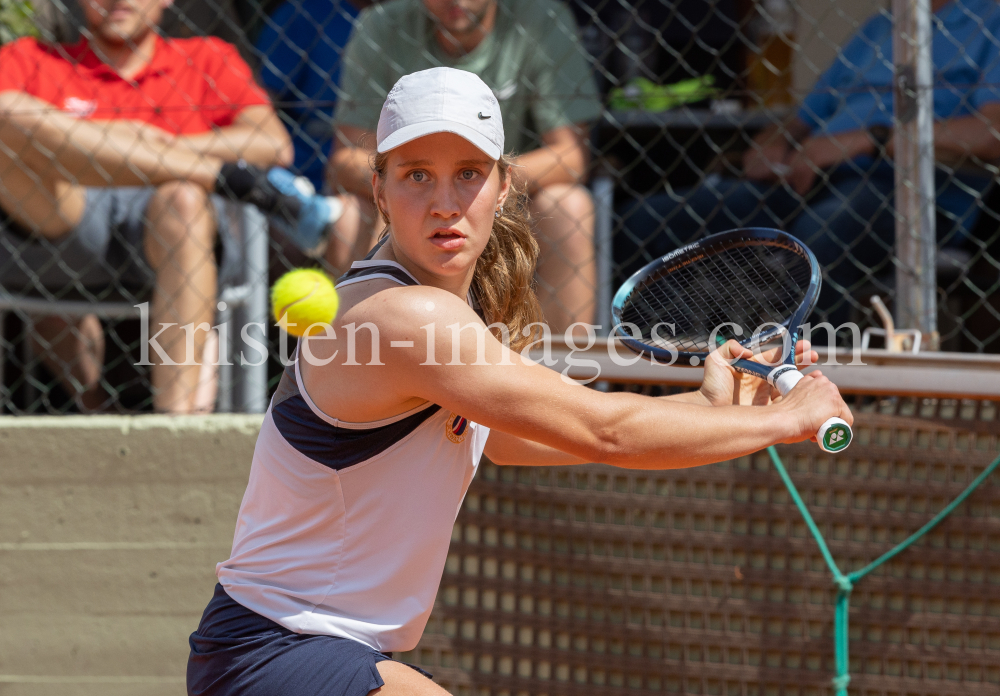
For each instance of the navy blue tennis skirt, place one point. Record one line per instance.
(238, 652)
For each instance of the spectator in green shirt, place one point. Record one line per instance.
(527, 51)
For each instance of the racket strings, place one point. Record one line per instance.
(706, 296)
(746, 285)
(751, 292)
(717, 294)
(758, 274)
(786, 284)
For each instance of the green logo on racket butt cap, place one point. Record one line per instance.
(834, 435)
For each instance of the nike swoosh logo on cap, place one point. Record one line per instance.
(480, 114)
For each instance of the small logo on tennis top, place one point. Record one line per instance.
(456, 428)
(484, 117)
(837, 439)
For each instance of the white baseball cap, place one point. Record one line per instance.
(441, 100)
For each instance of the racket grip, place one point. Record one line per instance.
(835, 434)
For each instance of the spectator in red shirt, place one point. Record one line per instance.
(130, 134)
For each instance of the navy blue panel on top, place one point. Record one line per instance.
(402, 276)
(338, 448)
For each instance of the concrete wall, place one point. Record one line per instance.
(110, 529)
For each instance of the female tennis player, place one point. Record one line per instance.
(373, 435)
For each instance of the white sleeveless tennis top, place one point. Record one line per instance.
(344, 527)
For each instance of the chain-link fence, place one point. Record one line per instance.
(639, 126)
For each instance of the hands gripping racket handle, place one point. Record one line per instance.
(835, 434)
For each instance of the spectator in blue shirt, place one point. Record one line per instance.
(826, 176)
(300, 48)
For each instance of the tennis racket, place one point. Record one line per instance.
(752, 285)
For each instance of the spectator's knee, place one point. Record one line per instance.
(181, 211)
(180, 225)
(568, 201)
(185, 200)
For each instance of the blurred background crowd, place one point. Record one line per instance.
(162, 162)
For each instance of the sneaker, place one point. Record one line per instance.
(304, 217)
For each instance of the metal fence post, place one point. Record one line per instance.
(913, 99)
(253, 389)
(224, 318)
(603, 189)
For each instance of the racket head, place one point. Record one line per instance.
(746, 277)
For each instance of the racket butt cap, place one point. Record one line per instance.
(834, 435)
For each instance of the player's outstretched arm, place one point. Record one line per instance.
(472, 373)
(722, 386)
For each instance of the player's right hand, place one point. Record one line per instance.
(813, 401)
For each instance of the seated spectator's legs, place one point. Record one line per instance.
(567, 277)
(73, 351)
(656, 225)
(849, 225)
(959, 198)
(179, 243)
(48, 196)
(172, 229)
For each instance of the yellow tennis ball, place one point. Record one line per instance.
(302, 298)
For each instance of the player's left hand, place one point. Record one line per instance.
(724, 386)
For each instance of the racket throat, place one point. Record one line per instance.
(784, 377)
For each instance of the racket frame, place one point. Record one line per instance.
(694, 251)
(783, 375)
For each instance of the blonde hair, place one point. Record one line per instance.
(503, 282)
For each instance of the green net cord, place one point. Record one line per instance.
(845, 583)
